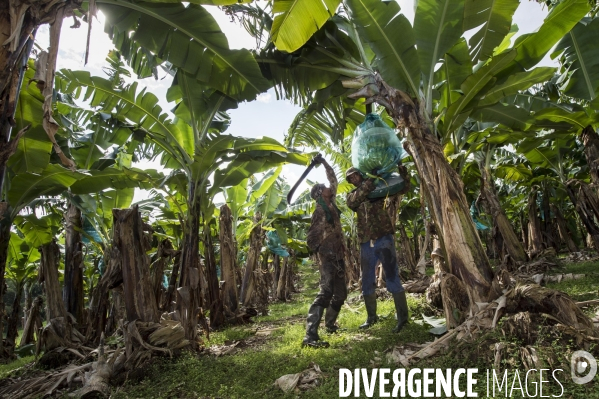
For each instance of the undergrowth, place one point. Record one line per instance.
(584, 289)
(8, 369)
(251, 372)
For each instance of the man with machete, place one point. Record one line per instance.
(325, 238)
(376, 237)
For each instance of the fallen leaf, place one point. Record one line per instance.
(438, 330)
(434, 321)
(288, 382)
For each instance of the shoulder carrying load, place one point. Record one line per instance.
(376, 147)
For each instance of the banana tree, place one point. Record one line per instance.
(568, 119)
(240, 199)
(32, 172)
(554, 159)
(105, 172)
(262, 205)
(21, 270)
(26, 188)
(91, 136)
(247, 157)
(539, 129)
(192, 144)
(399, 62)
(486, 145)
(579, 78)
(192, 28)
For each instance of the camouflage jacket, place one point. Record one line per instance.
(373, 219)
(326, 237)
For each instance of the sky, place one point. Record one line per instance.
(266, 116)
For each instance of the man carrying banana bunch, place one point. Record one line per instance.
(375, 234)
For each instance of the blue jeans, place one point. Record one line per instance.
(383, 250)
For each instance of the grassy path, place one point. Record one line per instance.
(271, 348)
(252, 357)
(259, 359)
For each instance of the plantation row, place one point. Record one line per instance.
(502, 156)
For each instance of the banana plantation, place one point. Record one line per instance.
(496, 234)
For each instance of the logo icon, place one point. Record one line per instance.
(583, 363)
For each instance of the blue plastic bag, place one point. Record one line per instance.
(273, 243)
(376, 147)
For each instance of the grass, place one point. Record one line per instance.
(251, 372)
(6, 369)
(479, 354)
(584, 289)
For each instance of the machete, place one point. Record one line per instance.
(302, 177)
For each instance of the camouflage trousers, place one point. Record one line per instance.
(333, 290)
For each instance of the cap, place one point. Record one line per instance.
(316, 191)
(350, 172)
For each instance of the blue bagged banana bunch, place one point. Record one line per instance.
(376, 147)
(273, 243)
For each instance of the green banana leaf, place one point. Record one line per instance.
(579, 56)
(532, 47)
(391, 37)
(34, 148)
(190, 39)
(26, 187)
(437, 28)
(38, 231)
(296, 21)
(495, 20)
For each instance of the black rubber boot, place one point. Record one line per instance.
(330, 319)
(312, 339)
(401, 307)
(370, 302)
